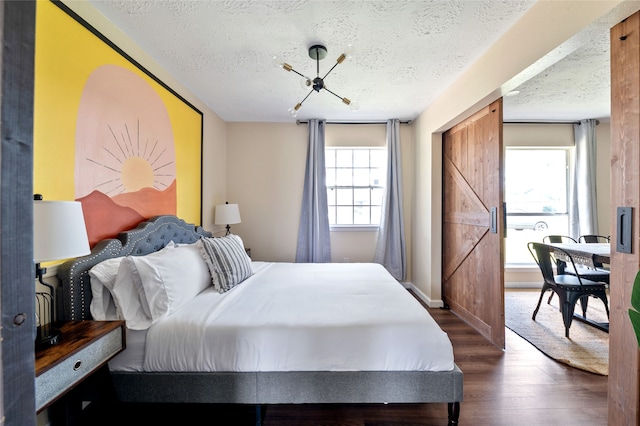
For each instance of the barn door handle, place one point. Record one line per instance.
(624, 235)
(494, 220)
(504, 219)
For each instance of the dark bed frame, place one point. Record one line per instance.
(296, 387)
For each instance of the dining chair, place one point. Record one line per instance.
(558, 239)
(569, 288)
(593, 239)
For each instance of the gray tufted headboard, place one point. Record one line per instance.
(149, 236)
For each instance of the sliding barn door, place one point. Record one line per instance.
(624, 357)
(472, 229)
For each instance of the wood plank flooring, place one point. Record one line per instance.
(517, 386)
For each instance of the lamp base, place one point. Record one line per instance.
(46, 336)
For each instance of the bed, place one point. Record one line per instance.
(271, 345)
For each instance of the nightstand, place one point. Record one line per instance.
(83, 348)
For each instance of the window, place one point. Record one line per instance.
(355, 185)
(536, 193)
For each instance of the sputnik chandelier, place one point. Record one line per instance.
(316, 52)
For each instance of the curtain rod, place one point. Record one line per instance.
(545, 122)
(354, 122)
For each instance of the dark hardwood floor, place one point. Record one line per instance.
(517, 386)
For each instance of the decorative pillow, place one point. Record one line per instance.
(171, 278)
(102, 278)
(227, 261)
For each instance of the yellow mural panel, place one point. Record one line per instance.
(93, 144)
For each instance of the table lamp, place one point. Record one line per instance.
(227, 214)
(59, 232)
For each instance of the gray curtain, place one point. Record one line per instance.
(583, 212)
(314, 243)
(390, 248)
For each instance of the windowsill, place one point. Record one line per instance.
(520, 265)
(353, 228)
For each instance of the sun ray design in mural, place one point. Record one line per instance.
(139, 163)
(125, 167)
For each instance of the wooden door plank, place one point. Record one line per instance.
(624, 362)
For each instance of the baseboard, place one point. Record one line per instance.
(426, 300)
(532, 285)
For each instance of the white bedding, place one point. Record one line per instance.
(297, 317)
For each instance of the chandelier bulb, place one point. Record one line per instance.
(348, 51)
(354, 105)
(294, 110)
(277, 62)
(306, 83)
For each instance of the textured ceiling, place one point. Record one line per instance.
(405, 54)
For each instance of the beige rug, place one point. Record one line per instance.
(587, 348)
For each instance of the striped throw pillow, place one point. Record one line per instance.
(227, 261)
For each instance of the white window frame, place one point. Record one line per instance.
(331, 166)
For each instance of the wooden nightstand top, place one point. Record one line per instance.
(74, 336)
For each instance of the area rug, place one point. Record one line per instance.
(587, 348)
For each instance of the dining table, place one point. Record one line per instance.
(591, 256)
(586, 254)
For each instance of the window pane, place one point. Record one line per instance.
(377, 177)
(331, 196)
(330, 157)
(376, 196)
(361, 158)
(536, 193)
(344, 215)
(344, 196)
(375, 214)
(379, 158)
(332, 215)
(343, 158)
(361, 215)
(361, 196)
(536, 180)
(331, 176)
(344, 177)
(361, 177)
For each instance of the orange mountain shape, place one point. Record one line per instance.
(106, 217)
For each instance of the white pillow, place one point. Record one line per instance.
(102, 278)
(128, 294)
(227, 261)
(129, 297)
(171, 278)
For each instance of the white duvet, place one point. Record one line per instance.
(301, 317)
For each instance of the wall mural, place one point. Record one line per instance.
(125, 160)
(116, 138)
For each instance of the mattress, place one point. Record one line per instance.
(296, 317)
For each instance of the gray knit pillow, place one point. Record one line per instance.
(227, 261)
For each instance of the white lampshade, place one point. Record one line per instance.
(59, 231)
(227, 214)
